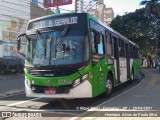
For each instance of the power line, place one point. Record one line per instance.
(91, 7)
(35, 6)
(13, 16)
(88, 4)
(18, 10)
(15, 3)
(13, 9)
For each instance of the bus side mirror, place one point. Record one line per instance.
(18, 44)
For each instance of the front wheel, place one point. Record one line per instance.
(109, 85)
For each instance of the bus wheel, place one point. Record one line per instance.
(2, 72)
(109, 85)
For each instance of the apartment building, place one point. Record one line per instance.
(104, 14)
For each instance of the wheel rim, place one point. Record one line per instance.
(109, 86)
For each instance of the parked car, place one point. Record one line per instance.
(20, 64)
(7, 66)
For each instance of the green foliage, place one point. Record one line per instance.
(151, 7)
(152, 10)
(136, 27)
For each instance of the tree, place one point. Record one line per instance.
(137, 28)
(152, 7)
(152, 10)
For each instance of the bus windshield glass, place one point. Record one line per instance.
(57, 47)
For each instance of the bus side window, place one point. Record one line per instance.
(97, 43)
(93, 43)
(131, 51)
(101, 47)
(135, 50)
(109, 43)
(121, 48)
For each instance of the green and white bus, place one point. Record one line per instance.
(74, 55)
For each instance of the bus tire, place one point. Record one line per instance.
(109, 85)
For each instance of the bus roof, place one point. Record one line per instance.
(111, 30)
(51, 15)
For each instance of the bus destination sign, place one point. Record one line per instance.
(52, 22)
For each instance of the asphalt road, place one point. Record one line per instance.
(143, 99)
(11, 84)
(13, 97)
(146, 94)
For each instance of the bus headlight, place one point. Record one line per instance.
(80, 80)
(25, 70)
(85, 76)
(77, 82)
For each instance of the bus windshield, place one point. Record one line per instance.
(59, 47)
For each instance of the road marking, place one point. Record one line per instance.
(12, 93)
(18, 103)
(5, 95)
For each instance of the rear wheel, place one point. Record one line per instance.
(109, 85)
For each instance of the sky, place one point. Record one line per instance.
(120, 7)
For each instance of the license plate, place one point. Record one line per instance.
(50, 92)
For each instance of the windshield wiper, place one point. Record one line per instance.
(62, 34)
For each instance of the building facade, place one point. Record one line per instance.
(14, 17)
(106, 15)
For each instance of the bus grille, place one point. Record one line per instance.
(59, 90)
(51, 73)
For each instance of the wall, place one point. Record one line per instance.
(14, 16)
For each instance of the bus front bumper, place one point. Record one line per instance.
(83, 90)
